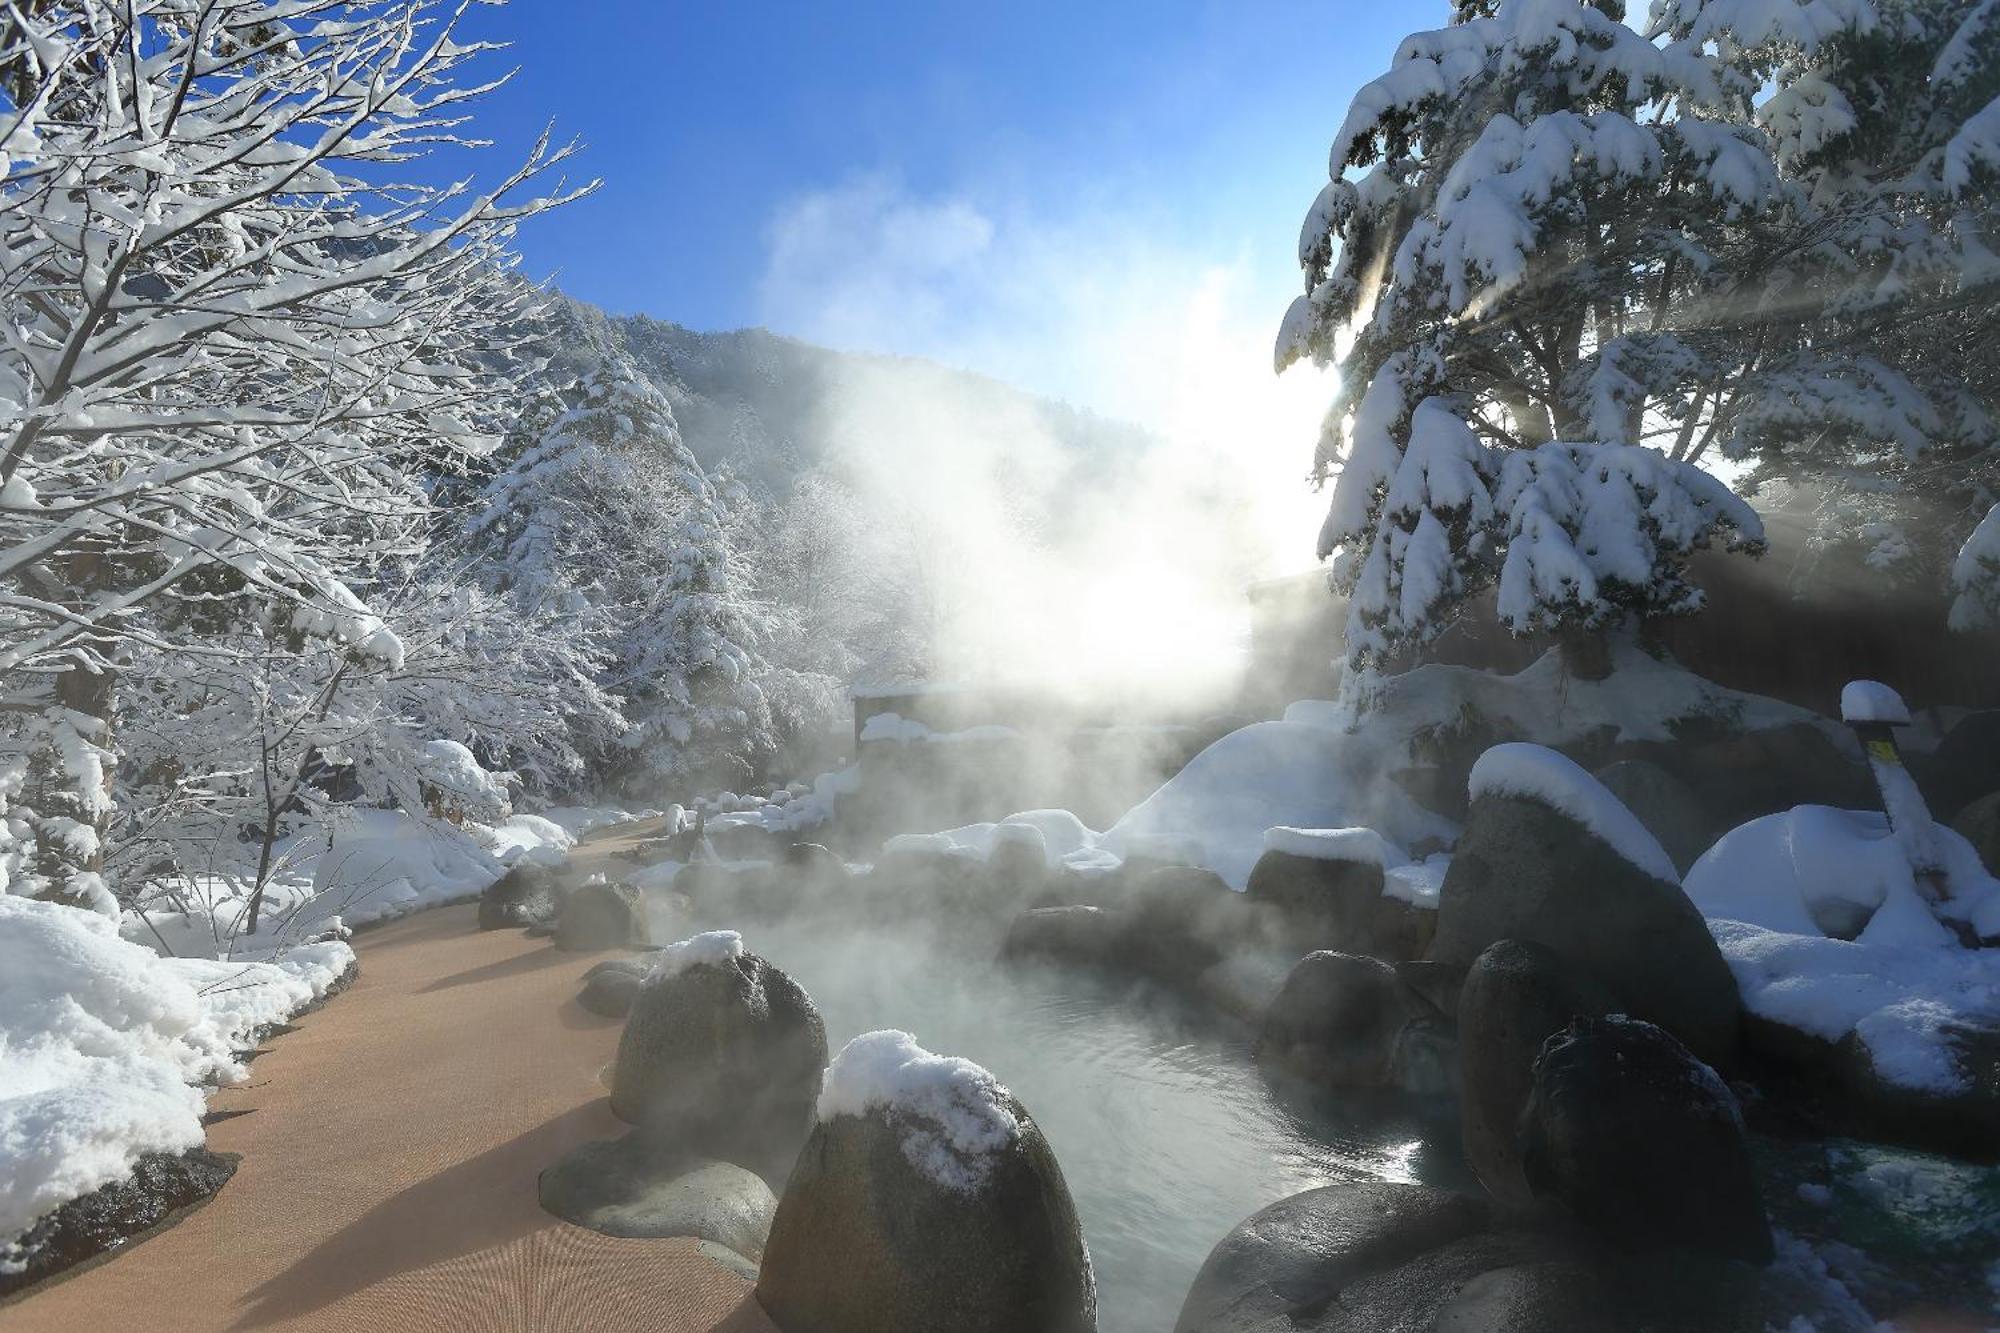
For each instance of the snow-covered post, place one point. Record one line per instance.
(1875, 711)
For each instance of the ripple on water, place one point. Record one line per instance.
(1166, 1134)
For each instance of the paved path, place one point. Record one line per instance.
(390, 1148)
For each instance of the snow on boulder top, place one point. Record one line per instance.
(1518, 768)
(712, 948)
(1364, 845)
(954, 1113)
(1872, 701)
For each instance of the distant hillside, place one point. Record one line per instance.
(758, 400)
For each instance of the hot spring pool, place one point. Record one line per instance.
(1165, 1132)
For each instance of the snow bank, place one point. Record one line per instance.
(532, 837)
(100, 1040)
(953, 1114)
(1273, 774)
(713, 948)
(1362, 845)
(1538, 773)
(1815, 870)
(1897, 997)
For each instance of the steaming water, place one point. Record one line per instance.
(1165, 1132)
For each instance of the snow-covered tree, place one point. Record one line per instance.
(1555, 228)
(237, 326)
(610, 521)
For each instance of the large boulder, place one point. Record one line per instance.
(1964, 766)
(1515, 998)
(603, 915)
(1667, 806)
(1285, 1264)
(1073, 934)
(529, 894)
(1346, 1021)
(926, 1199)
(1524, 870)
(1642, 1143)
(721, 1056)
(610, 987)
(1337, 903)
(1958, 1115)
(1751, 773)
(1176, 922)
(637, 1186)
(1979, 824)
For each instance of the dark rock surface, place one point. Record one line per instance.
(1074, 934)
(636, 1186)
(1964, 766)
(603, 915)
(1524, 871)
(1515, 998)
(610, 987)
(1339, 905)
(1288, 1262)
(1642, 1144)
(724, 1060)
(1668, 807)
(161, 1184)
(1979, 824)
(868, 1241)
(527, 895)
(1339, 1022)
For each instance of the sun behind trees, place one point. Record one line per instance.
(1754, 232)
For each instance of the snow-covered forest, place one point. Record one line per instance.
(1432, 932)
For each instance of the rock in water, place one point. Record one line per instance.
(722, 1056)
(925, 1200)
(1642, 1143)
(1294, 1257)
(635, 1186)
(1515, 998)
(1339, 905)
(601, 915)
(1339, 1021)
(527, 895)
(1526, 871)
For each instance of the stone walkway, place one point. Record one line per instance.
(390, 1147)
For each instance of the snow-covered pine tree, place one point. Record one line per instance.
(231, 330)
(610, 520)
(1875, 374)
(1751, 231)
(1534, 188)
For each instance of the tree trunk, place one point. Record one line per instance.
(1586, 653)
(71, 769)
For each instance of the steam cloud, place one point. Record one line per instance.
(1121, 569)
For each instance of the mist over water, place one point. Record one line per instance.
(1119, 569)
(1166, 1135)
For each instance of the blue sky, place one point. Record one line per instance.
(1198, 131)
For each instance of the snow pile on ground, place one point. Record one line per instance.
(1777, 889)
(1273, 774)
(952, 1113)
(1537, 773)
(100, 1040)
(791, 808)
(1900, 998)
(366, 866)
(1814, 870)
(1362, 845)
(711, 948)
